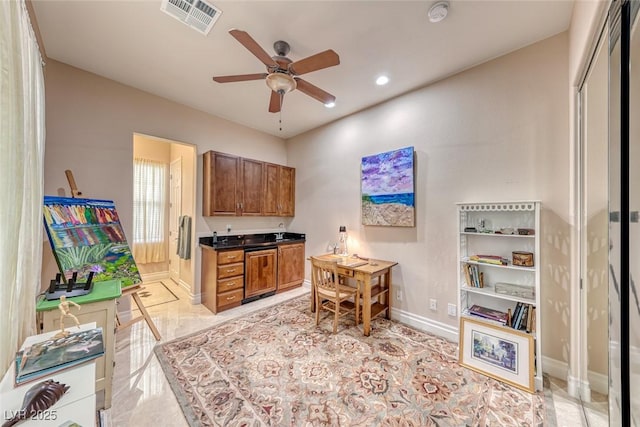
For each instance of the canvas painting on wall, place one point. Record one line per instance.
(86, 236)
(387, 188)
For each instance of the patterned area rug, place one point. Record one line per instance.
(276, 368)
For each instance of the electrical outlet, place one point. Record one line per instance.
(451, 309)
(433, 304)
(399, 294)
(228, 228)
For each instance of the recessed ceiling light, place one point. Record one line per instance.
(330, 104)
(438, 11)
(382, 80)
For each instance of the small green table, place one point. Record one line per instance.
(101, 291)
(99, 306)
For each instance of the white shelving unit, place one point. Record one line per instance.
(499, 216)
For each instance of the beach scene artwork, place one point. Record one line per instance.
(388, 189)
(86, 236)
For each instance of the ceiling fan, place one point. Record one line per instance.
(282, 73)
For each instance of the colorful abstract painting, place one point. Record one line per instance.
(86, 236)
(388, 188)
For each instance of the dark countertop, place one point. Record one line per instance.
(251, 240)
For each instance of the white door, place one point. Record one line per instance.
(175, 210)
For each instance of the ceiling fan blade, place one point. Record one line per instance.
(239, 78)
(247, 41)
(314, 91)
(321, 60)
(275, 102)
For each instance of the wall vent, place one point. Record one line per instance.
(198, 14)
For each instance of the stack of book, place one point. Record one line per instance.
(475, 278)
(488, 313)
(46, 357)
(523, 317)
(489, 259)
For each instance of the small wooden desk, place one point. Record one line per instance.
(365, 273)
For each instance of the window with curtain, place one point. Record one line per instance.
(149, 206)
(22, 118)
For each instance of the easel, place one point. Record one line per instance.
(131, 290)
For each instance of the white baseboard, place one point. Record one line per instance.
(422, 323)
(445, 331)
(575, 387)
(555, 368)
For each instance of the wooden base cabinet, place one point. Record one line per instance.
(290, 266)
(222, 278)
(260, 268)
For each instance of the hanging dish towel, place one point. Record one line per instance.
(184, 237)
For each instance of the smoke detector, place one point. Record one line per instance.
(198, 14)
(438, 11)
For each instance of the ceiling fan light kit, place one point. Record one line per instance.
(280, 82)
(282, 73)
(438, 11)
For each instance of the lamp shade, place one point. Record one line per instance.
(281, 83)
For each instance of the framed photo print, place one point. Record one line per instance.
(498, 352)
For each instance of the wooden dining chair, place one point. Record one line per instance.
(330, 294)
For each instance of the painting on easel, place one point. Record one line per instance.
(86, 236)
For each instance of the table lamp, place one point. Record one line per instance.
(342, 241)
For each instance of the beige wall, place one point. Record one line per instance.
(496, 132)
(90, 124)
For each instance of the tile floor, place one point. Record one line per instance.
(142, 395)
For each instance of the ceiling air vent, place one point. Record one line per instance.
(199, 15)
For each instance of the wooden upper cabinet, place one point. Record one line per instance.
(270, 201)
(287, 191)
(279, 193)
(238, 186)
(220, 173)
(252, 172)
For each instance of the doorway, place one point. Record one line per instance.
(175, 210)
(180, 161)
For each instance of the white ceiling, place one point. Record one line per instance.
(134, 43)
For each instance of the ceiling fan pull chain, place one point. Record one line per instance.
(280, 112)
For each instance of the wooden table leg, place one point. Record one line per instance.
(366, 305)
(146, 316)
(387, 297)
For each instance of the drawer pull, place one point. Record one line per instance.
(231, 298)
(231, 270)
(230, 256)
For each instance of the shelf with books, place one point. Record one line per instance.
(517, 236)
(490, 290)
(508, 266)
(490, 236)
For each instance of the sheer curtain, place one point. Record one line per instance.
(149, 205)
(21, 177)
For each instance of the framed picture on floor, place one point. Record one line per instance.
(498, 352)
